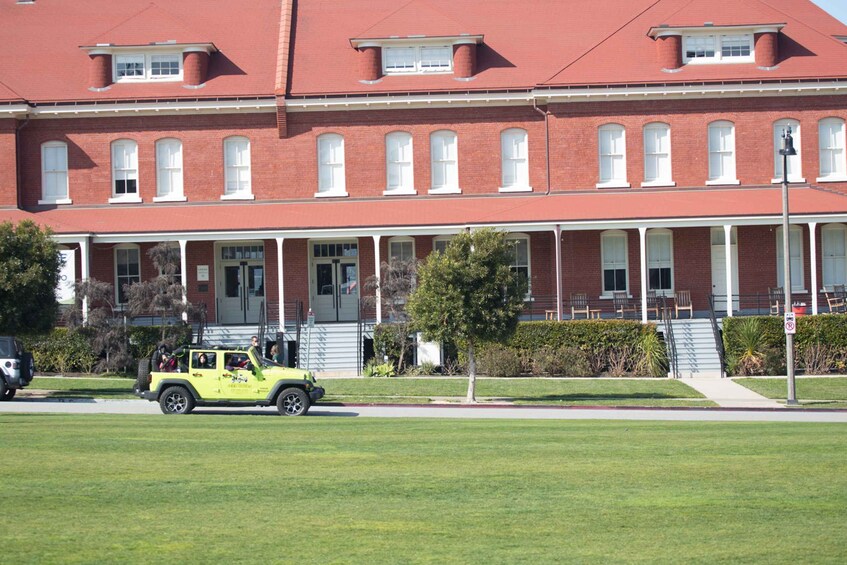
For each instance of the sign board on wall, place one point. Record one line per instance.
(202, 273)
(67, 275)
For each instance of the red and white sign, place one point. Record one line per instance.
(790, 323)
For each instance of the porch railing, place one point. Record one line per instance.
(716, 332)
(670, 340)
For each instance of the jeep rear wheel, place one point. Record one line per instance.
(176, 400)
(292, 402)
(6, 393)
(9, 394)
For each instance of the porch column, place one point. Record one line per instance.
(280, 283)
(642, 236)
(183, 265)
(813, 251)
(727, 242)
(557, 233)
(378, 274)
(85, 273)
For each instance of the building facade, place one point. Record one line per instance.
(288, 147)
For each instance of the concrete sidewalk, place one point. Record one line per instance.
(728, 394)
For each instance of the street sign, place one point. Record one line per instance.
(790, 323)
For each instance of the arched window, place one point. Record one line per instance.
(124, 171)
(657, 155)
(399, 166)
(169, 170)
(615, 260)
(54, 173)
(832, 155)
(514, 161)
(795, 170)
(722, 153)
(331, 165)
(237, 166)
(445, 162)
(611, 144)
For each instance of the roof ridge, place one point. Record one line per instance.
(383, 19)
(602, 41)
(160, 10)
(804, 24)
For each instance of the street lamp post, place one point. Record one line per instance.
(787, 150)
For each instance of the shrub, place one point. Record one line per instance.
(561, 362)
(652, 356)
(396, 343)
(144, 339)
(500, 362)
(61, 351)
(817, 359)
(381, 370)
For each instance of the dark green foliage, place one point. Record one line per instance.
(394, 342)
(562, 361)
(29, 273)
(823, 329)
(61, 351)
(144, 339)
(499, 361)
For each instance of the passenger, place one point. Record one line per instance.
(203, 362)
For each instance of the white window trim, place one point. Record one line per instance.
(57, 201)
(721, 180)
(402, 239)
(842, 230)
(660, 181)
(447, 188)
(401, 190)
(718, 59)
(521, 185)
(418, 68)
(613, 182)
(238, 194)
(778, 127)
(517, 236)
(436, 239)
(669, 233)
(779, 259)
(834, 177)
(170, 197)
(148, 67)
(334, 192)
(128, 198)
(604, 294)
(115, 268)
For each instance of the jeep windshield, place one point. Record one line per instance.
(267, 363)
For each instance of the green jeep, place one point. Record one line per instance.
(225, 377)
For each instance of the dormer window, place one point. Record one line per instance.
(417, 59)
(143, 67)
(718, 48)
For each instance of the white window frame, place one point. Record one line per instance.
(169, 172)
(833, 266)
(440, 240)
(399, 164)
(328, 170)
(54, 174)
(798, 268)
(795, 162)
(727, 175)
(146, 59)
(444, 163)
(611, 156)
(128, 247)
(401, 241)
(512, 239)
(718, 40)
(238, 171)
(659, 263)
(416, 60)
(617, 235)
(123, 171)
(660, 155)
(514, 160)
(834, 153)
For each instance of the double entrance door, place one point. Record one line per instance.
(335, 281)
(241, 286)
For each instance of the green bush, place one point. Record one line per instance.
(561, 362)
(390, 340)
(61, 351)
(500, 362)
(383, 370)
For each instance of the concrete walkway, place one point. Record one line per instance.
(728, 394)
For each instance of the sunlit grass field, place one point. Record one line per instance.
(256, 489)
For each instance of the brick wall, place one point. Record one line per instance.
(8, 164)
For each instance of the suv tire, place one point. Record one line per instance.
(6, 393)
(9, 394)
(292, 402)
(176, 400)
(142, 383)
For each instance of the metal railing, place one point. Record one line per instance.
(670, 340)
(716, 332)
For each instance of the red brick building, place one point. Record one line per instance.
(289, 146)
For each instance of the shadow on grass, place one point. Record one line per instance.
(92, 393)
(575, 397)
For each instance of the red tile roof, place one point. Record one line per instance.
(597, 207)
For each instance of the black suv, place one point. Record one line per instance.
(16, 367)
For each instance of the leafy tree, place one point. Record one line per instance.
(29, 273)
(395, 286)
(468, 295)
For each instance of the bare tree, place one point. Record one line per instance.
(396, 282)
(108, 328)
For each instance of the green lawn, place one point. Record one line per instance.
(830, 392)
(254, 489)
(623, 392)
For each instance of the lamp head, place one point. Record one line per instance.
(787, 143)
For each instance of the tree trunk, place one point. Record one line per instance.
(471, 375)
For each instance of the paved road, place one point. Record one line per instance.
(452, 411)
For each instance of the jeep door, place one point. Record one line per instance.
(237, 382)
(203, 373)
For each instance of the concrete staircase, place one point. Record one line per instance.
(332, 349)
(695, 348)
(234, 336)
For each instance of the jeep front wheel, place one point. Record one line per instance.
(9, 394)
(176, 400)
(292, 402)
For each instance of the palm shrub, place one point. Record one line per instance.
(653, 357)
(752, 358)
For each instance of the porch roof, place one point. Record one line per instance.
(587, 210)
